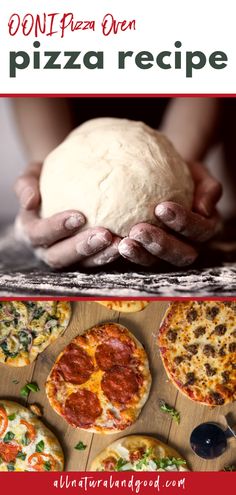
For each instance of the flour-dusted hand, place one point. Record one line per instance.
(147, 243)
(57, 240)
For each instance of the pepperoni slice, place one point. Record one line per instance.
(119, 384)
(82, 408)
(75, 365)
(9, 451)
(112, 352)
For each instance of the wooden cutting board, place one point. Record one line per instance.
(152, 421)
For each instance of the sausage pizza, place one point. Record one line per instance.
(197, 342)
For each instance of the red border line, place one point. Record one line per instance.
(119, 298)
(118, 95)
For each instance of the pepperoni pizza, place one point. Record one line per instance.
(101, 380)
(197, 341)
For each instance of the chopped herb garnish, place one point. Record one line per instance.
(33, 387)
(144, 460)
(21, 455)
(15, 381)
(120, 463)
(12, 417)
(47, 466)
(164, 462)
(8, 437)
(232, 467)
(170, 410)
(24, 391)
(40, 446)
(80, 446)
(29, 387)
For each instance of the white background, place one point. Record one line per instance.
(204, 25)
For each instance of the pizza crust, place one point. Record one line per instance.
(134, 443)
(35, 329)
(51, 445)
(122, 415)
(124, 306)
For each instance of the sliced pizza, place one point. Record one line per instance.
(138, 453)
(124, 306)
(101, 380)
(26, 444)
(197, 341)
(28, 327)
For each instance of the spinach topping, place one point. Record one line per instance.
(38, 312)
(6, 351)
(12, 417)
(25, 339)
(30, 305)
(39, 446)
(21, 455)
(25, 440)
(47, 466)
(8, 437)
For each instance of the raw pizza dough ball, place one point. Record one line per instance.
(114, 171)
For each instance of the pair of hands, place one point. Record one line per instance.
(58, 241)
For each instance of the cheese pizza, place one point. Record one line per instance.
(101, 380)
(197, 342)
(28, 327)
(124, 306)
(25, 442)
(138, 453)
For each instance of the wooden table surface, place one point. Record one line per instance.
(152, 421)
